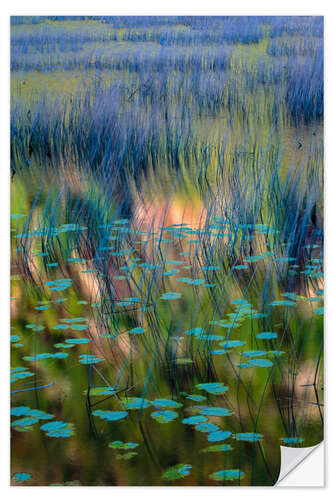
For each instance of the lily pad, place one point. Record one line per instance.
(227, 475)
(292, 440)
(217, 447)
(194, 331)
(58, 429)
(218, 436)
(109, 415)
(164, 416)
(220, 351)
(253, 354)
(171, 296)
(232, 343)
(206, 427)
(216, 411)
(135, 403)
(261, 363)
(119, 445)
(21, 477)
(197, 419)
(213, 387)
(267, 335)
(166, 403)
(77, 341)
(286, 303)
(177, 472)
(137, 331)
(87, 359)
(195, 397)
(248, 436)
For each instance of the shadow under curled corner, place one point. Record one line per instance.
(302, 467)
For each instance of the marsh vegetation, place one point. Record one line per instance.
(167, 248)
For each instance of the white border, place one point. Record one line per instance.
(145, 7)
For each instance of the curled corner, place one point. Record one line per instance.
(302, 466)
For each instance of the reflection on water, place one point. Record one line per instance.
(167, 249)
(175, 366)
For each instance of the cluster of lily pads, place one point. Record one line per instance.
(179, 277)
(56, 428)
